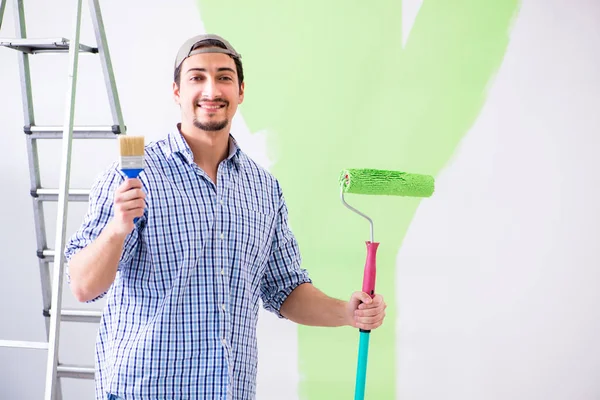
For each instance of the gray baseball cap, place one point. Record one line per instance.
(189, 48)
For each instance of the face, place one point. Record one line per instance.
(209, 92)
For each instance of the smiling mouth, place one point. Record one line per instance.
(211, 107)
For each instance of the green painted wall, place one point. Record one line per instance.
(332, 84)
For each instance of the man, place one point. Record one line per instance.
(211, 238)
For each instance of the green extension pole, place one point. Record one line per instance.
(377, 182)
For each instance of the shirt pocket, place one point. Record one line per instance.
(251, 244)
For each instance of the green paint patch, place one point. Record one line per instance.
(331, 82)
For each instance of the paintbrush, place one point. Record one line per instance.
(131, 149)
(131, 162)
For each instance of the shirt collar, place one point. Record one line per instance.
(177, 144)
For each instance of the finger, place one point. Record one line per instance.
(122, 212)
(370, 320)
(121, 207)
(131, 205)
(363, 297)
(377, 302)
(138, 212)
(130, 183)
(127, 185)
(369, 312)
(369, 327)
(137, 191)
(130, 215)
(129, 195)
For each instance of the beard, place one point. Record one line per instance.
(211, 126)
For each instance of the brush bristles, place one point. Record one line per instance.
(131, 145)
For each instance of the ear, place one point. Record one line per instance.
(242, 89)
(176, 93)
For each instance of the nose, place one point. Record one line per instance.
(210, 90)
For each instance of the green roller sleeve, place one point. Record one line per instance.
(384, 182)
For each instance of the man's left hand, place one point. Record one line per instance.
(365, 312)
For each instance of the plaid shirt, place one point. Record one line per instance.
(180, 319)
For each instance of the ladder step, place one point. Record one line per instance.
(92, 316)
(46, 45)
(46, 255)
(45, 194)
(75, 371)
(24, 345)
(79, 132)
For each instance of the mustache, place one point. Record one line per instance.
(215, 100)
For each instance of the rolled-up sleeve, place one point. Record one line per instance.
(283, 272)
(100, 212)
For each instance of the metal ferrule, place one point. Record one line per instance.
(132, 162)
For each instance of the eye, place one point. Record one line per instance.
(226, 78)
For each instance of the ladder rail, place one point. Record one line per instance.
(107, 68)
(33, 162)
(24, 69)
(2, 8)
(32, 157)
(43, 264)
(61, 218)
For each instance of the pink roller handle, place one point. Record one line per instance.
(370, 269)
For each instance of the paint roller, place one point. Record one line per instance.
(379, 183)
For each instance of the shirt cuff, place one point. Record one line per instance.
(275, 303)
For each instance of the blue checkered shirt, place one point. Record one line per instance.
(180, 318)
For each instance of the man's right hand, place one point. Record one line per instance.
(93, 268)
(129, 204)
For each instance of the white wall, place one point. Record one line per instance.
(498, 275)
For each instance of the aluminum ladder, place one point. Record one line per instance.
(52, 291)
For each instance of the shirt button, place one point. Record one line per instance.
(222, 272)
(224, 307)
(222, 236)
(224, 342)
(222, 202)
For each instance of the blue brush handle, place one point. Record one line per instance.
(133, 173)
(361, 369)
